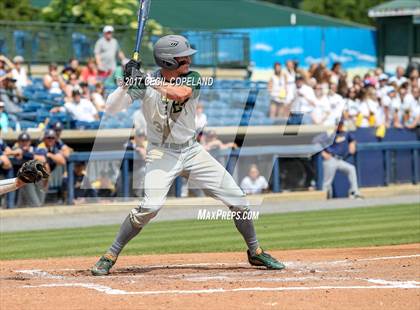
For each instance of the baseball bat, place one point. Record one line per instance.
(142, 16)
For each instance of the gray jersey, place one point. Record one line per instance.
(107, 51)
(168, 121)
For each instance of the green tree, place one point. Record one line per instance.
(290, 3)
(351, 10)
(17, 10)
(97, 13)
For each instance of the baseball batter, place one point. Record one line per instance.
(169, 109)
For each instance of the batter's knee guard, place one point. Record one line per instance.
(141, 215)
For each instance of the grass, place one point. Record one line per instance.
(382, 225)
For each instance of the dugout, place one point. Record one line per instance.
(398, 34)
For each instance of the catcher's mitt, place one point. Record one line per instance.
(32, 171)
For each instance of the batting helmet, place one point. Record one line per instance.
(169, 47)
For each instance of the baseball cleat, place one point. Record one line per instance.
(262, 258)
(104, 265)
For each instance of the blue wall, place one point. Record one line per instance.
(353, 47)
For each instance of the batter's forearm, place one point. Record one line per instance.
(118, 100)
(10, 185)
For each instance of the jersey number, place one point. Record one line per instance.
(177, 107)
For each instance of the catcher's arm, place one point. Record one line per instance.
(10, 185)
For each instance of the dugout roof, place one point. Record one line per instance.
(225, 14)
(396, 8)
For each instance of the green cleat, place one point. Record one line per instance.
(264, 259)
(103, 265)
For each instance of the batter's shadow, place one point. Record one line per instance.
(141, 270)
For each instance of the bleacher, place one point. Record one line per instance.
(224, 103)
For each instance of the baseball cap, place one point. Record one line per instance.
(383, 76)
(108, 28)
(24, 136)
(49, 133)
(18, 58)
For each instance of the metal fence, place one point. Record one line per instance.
(42, 43)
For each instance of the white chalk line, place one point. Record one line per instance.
(110, 291)
(383, 284)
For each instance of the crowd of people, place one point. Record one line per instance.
(318, 95)
(323, 96)
(82, 87)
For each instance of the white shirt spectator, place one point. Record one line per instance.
(321, 110)
(290, 85)
(367, 107)
(83, 111)
(254, 186)
(21, 77)
(352, 107)
(399, 81)
(304, 99)
(337, 105)
(278, 88)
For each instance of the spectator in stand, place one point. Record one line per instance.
(322, 106)
(410, 106)
(72, 84)
(6, 67)
(368, 108)
(334, 156)
(85, 90)
(107, 49)
(414, 78)
(53, 82)
(351, 108)
(357, 83)
(10, 95)
(200, 118)
(19, 73)
(399, 77)
(48, 152)
(254, 183)
(336, 104)
(335, 73)
(72, 67)
(61, 146)
(89, 73)
(303, 103)
(278, 93)
(80, 109)
(98, 97)
(211, 142)
(290, 74)
(4, 119)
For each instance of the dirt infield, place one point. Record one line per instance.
(359, 278)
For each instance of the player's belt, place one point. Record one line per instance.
(176, 146)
